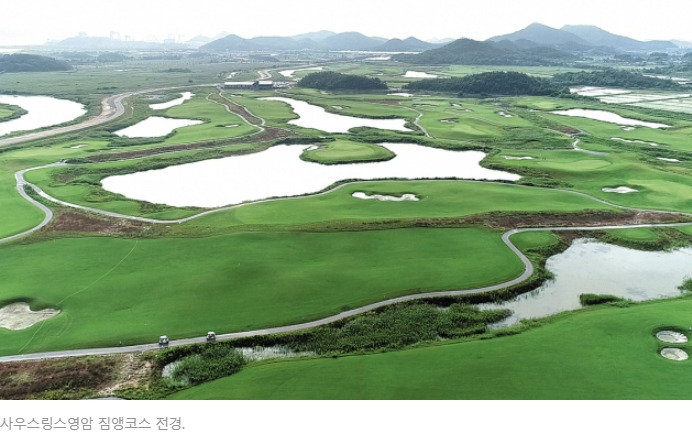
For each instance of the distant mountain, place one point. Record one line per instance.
(408, 44)
(682, 44)
(278, 43)
(470, 52)
(582, 38)
(544, 35)
(599, 37)
(94, 43)
(198, 41)
(231, 43)
(315, 36)
(440, 41)
(352, 41)
(522, 44)
(31, 63)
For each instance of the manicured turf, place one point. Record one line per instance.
(113, 290)
(7, 111)
(343, 151)
(604, 353)
(219, 123)
(438, 199)
(657, 186)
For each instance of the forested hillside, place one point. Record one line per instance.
(31, 63)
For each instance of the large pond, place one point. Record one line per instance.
(155, 126)
(279, 172)
(179, 101)
(607, 116)
(289, 73)
(416, 74)
(588, 266)
(313, 116)
(43, 111)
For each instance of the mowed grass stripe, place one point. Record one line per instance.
(184, 287)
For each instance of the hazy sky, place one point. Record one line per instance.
(37, 21)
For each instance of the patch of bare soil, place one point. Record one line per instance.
(72, 378)
(73, 221)
(133, 371)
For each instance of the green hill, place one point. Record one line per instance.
(328, 80)
(490, 83)
(470, 52)
(31, 63)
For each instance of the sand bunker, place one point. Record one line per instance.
(503, 114)
(518, 158)
(620, 190)
(674, 354)
(668, 159)
(671, 337)
(19, 316)
(624, 140)
(364, 196)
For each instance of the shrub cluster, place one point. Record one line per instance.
(491, 83)
(328, 80)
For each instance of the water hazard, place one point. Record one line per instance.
(588, 266)
(316, 117)
(606, 116)
(42, 111)
(279, 172)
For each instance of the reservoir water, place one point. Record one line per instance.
(164, 105)
(316, 117)
(588, 266)
(155, 126)
(43, 111)
(279, 172)
(606, 116)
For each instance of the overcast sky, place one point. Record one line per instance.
(37, 21)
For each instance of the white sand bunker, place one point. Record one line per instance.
(668, 159)
(503, 114)
(620, 190)
(364, 196)
(674, 354)
(518, 158)
(671, 337)
(19, 316)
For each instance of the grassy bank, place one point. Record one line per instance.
(600, 353)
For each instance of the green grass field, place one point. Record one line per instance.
(113, 290)
(343, 151)
(601, 353)
(290, 261)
